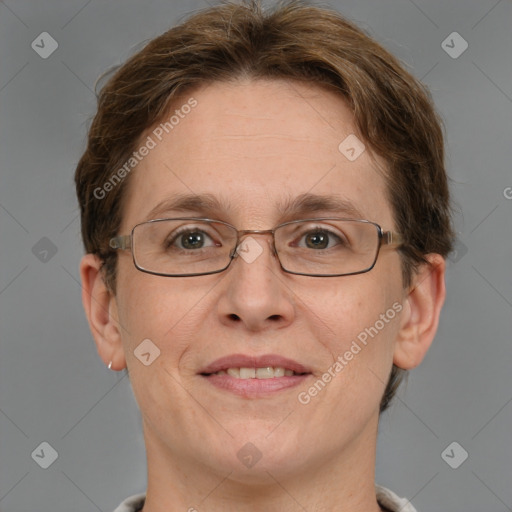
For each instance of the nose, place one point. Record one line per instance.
(255, 296)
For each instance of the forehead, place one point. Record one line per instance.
(252, 147)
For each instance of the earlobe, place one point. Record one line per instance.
(422, 309)
(100, 307)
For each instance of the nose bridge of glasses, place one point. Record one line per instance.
(243, 233)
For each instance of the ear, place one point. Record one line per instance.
(422, 307)
(101, 310)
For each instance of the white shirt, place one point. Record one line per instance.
(385, 498)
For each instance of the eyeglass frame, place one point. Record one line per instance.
(124, 242)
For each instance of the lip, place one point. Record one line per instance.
(246, 361)
(254, 388)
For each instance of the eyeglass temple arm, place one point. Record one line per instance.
(121, 242)
(391, 238)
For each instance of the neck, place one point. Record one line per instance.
(339, 482)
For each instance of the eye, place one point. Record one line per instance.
(190, 239)
(320, 238)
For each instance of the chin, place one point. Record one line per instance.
(249, 458)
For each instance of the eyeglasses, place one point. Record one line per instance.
(322, 247)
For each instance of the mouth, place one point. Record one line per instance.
(255, 376)
(266, 372)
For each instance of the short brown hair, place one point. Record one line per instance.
(393, 113)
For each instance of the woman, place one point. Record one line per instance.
(266, 218)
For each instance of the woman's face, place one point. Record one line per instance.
(254, 147)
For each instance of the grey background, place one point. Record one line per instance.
(53, 386)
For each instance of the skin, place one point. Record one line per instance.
(254, 144)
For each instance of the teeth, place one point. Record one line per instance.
(268, 372)
(279, 372)
(247, 373)
(265, 373)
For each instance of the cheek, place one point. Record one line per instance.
(356, 322)
(154, 308)
(162, 317)
(174, 314)
(348, 307)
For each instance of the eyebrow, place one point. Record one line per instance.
(292, 207)
(204, 204)
(305, 204)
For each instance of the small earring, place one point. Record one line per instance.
(109, 365)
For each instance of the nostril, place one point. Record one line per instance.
(275, 318)
(234, 317)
